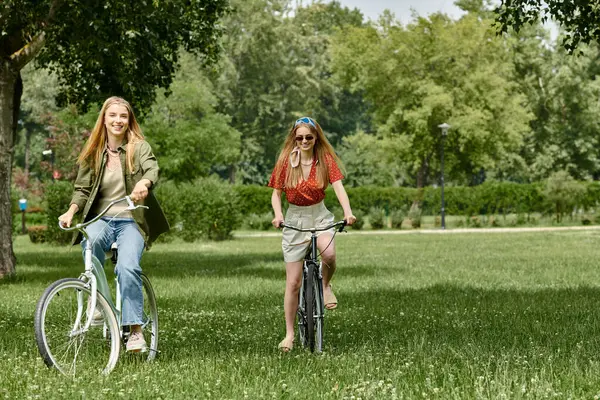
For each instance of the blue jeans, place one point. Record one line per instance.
(103, 233)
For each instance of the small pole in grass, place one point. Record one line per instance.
(444, 127)
(23, 207)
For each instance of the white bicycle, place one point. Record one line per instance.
(78, 326)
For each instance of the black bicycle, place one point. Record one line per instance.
(311, 309)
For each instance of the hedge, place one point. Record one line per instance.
(489, 198)
(208, 208)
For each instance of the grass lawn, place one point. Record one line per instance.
(479, 315)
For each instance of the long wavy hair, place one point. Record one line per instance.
(322, 147)
(92, 152)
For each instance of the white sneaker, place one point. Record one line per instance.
(136, 343)
(97, 317)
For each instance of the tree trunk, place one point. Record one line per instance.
(27, 155)
(421, 182)
(232, 171)
(9, 78)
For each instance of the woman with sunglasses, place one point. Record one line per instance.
(306, 165)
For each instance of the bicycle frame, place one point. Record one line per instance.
(306, 314)
(94, 275)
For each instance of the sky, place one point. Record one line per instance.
(402, 9)
(371, 9)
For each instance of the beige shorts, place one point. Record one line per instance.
(294, 243)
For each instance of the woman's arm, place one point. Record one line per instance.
(81, 193)
(148, 164)
(149, 167)
(276, 203)
(82, 188)
(342, 196)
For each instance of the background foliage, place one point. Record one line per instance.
(522, 110)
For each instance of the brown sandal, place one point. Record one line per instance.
(330, 300)
(286, 345)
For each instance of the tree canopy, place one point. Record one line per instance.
(580, 19)
(96, 49)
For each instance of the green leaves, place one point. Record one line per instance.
(580, 18)
(432, 71)
(189, 137)
(125, 48)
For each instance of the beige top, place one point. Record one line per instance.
(112, 187)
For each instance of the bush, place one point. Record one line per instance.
(415, 217)
(489, 198)
(58, 196)
(586, 220)
(494, 221)
(260, 222)
(205, 209)
(377, 218)
(254, 199)
(37, 233)
(397, 217)
(475, 221)
(563, 193)
(360, 220)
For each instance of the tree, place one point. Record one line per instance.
(432, 71)
(96, 49)
(188, 136)
(275, 68)
(580, 19)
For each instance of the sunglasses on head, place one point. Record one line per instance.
(305, 120)
(301, 138)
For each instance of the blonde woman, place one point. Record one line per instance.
(116, 161)
(306, 165)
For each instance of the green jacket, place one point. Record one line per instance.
(152, 221)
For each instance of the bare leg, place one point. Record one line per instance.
(293, 282)
(327, 251)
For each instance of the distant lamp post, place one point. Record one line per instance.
(444, 127)
(50, 153)
(23, 207)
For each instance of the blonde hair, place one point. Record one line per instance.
(322, 147)
(91, 155)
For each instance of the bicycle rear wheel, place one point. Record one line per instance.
(60, 315)
(150, 318)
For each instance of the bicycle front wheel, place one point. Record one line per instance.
(60, 316)
(314, 309)
(319, 309)
(301, 313)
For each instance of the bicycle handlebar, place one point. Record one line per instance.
(341, 223)
(130, 207)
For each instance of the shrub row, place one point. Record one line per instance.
(558, 195)
(208, 208)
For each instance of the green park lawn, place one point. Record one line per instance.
(427, 316)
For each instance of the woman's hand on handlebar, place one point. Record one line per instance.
(140, 191)
(66, 219)
(350, 219)
(277, 221)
